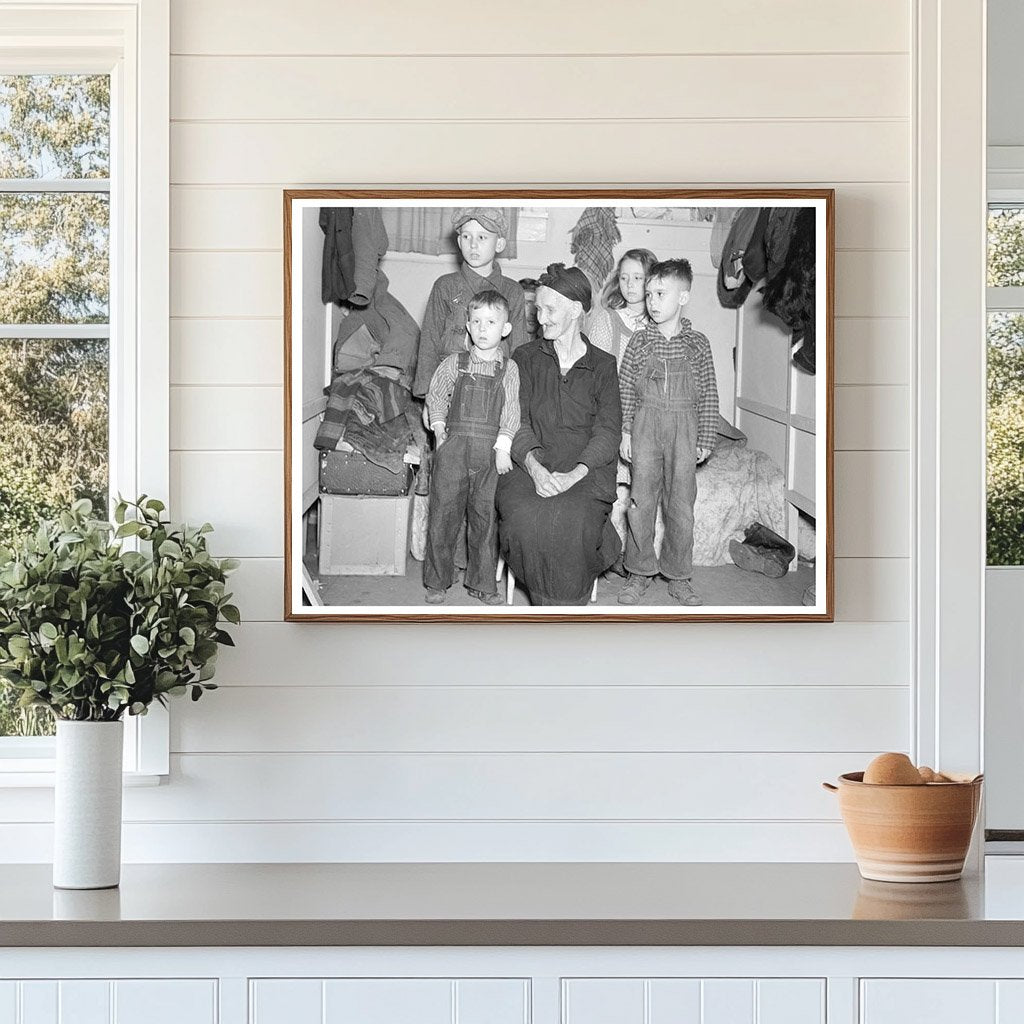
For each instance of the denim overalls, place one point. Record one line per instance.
(463, 479)
(664, 439)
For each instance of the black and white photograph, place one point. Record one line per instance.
(602, 406)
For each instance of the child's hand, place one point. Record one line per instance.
(626, 448)
(503, 461)
(440, 434)
(702, 455)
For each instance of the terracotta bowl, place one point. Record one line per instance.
(909, 833)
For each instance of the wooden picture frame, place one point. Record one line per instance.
(786, 414)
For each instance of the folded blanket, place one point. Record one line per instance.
(368, 409)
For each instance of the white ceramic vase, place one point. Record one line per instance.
(87, 805)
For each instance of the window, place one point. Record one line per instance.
(84, 124)
(1005, 477)
(54, 308)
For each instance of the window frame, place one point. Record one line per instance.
(130, 41)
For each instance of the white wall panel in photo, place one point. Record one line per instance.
(416, 787)
(227, 418)
(572, 152)
(751, 654)
(227, 352)
(476, 87)
(548, 718)
(407, 27)
(868, 215)
(872, 350)
(241, 493)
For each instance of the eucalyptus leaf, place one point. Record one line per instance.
(92, 631)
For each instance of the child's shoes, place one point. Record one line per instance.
(634, 588)
(435, 596)
(683, 592)
(489, 599)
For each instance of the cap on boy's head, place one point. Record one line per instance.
(491, 217)
(568, 281)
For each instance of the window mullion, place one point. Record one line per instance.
(63, 332)
(54, 185)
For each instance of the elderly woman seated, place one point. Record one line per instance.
(553, 508)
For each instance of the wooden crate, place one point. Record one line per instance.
(362, 535)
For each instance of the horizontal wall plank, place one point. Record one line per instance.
(872, 418)
(460, 842)
(872, 504)
(868, 216)
(868, 350)
(234, 418)
(689, 152)
(241, 493)
(212, 418)
(873, 589)
(872, 350)
(867, 589)
(492, 719)
(407, 26)
(872, 283)
(376, 787)
(227, 352)
(235, 284)
(749, 654)
(258, 586)
(477, 86)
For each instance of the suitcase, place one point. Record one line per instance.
(352, 473)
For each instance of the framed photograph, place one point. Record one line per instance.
(566, 406)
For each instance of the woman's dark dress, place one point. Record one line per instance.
(556, 547)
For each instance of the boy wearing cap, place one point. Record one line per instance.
(473, 407)
(669, 422)
(480, 232)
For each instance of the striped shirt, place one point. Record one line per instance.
(442, 387)
(444, 323)
(650, 341)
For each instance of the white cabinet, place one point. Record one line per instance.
(389, 1001)
(693, 1001)
(941, 1001)
(95, 1001)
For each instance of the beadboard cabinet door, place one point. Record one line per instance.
(693, 1001)
(941, 1001)
(96, 1001)
(389, 1001)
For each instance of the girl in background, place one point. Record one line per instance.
(621, 311)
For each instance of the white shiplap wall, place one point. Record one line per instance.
(684, 741)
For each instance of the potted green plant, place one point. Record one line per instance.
(94, 625)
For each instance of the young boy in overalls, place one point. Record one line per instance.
(669, 419)
(473, 407)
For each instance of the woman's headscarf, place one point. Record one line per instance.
(568, 281)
